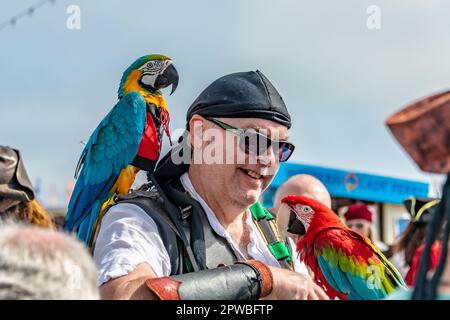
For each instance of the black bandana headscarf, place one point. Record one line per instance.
(241, 95)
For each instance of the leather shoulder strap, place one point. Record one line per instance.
(175, 214)
(170, 235)
(167, 216)
(210, 249)
(269, 230)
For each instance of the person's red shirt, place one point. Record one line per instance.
(434, 259)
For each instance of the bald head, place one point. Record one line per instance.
(302, 185)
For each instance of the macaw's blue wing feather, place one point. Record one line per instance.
(352, 285)
(112, 146)
(353, 267)
(336, 279)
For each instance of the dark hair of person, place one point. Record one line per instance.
(425, 288)
(411, 239)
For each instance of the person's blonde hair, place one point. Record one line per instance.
(31, 212)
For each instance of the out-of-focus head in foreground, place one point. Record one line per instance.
(38, 263)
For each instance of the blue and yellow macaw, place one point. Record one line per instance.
(127, 140)
(344, 263)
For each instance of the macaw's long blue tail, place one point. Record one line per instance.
(86, 227)
(84, 209)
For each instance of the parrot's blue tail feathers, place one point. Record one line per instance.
(82, 204)
(87, 225)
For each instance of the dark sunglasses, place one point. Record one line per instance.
(253, 142)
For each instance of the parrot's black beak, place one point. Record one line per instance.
(167, 78)
(295, 226)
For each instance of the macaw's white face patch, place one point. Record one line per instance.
(152, 69)
(304, 214)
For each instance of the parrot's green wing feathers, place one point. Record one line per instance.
(353, 266)
(391, 272)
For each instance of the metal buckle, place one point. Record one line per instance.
(185, 212)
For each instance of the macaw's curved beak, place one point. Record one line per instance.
(295, 226)
(167, 78)
(288, 221)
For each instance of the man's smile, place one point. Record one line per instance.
(251, 173)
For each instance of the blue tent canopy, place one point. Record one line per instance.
(347, 184)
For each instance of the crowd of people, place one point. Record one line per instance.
(197, 230)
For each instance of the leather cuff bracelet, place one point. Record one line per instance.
(266, 278)
(164, 288)
(248, 280)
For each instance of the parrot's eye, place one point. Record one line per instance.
(306, 209)
(153, 67)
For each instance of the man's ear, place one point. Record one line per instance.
(196, 127)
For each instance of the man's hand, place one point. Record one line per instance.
(131, 286)
(289, 285)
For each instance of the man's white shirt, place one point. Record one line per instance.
(128, 237)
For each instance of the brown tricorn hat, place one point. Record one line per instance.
(14, 181)
(423, 129)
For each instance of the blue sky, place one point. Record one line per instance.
(339, 79)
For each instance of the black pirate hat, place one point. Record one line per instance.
(421, 209)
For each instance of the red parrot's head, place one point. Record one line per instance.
(307, 213)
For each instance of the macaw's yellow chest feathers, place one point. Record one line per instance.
(132, 84)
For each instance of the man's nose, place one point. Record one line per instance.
(268, 157)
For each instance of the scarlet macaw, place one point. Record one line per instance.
(345, 263)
